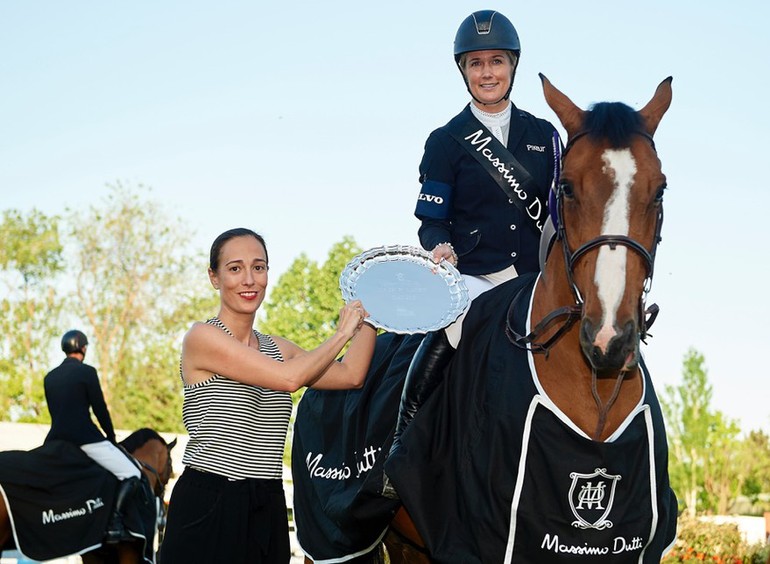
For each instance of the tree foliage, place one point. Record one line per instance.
(704, 471)
(304, 305)
(132, 269)
(30, 310)
(754, 458)
(700, 539)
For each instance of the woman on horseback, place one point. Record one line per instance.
(485, 178)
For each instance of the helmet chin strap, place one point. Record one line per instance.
(507, 95)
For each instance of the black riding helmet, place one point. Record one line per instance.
(73, 341)
(486, 30)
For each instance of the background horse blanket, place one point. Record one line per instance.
(60, 501)
(340, 441)
(492, 471)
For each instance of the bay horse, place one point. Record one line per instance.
(153, 453)
(588, 313)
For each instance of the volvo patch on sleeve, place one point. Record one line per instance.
(434, 200)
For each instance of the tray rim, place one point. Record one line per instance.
(416, 255)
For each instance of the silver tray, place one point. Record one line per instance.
(403, 290)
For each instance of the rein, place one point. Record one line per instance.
(570, 315)
(604, 408)
(160, 487)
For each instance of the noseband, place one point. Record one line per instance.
(570, 314)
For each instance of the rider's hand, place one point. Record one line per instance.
(444, 251)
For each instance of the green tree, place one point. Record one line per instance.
(755, 460)
(132, 272)
(304, 305)
(30, 310)
(703, 470)
(723, 474)
(154, 398)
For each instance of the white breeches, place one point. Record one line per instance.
(477, 285)
(112, 458)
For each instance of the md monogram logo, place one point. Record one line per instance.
(591, 497)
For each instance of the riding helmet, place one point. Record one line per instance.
(73, 341)
(485, 30)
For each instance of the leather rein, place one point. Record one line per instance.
(160, 487)
(569, 315)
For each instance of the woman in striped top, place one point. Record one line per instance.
(229, 504)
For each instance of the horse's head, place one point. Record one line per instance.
(168, 469)
(154, 455)
(607, 209)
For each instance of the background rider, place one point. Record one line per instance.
(72, 389)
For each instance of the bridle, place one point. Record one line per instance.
(568, 315)
(160, 487)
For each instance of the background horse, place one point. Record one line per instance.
(153, 454)
(588, 307)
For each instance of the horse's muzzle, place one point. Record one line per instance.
(620, 353)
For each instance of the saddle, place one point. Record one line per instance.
(60, 501)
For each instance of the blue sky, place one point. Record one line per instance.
(306, 121)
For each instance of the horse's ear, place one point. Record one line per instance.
(570, 116)
(655, 108)
(172, 444)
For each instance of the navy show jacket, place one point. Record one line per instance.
(71, 390)
(461, 203)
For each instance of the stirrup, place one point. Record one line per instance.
(116, 534)
(388, 490)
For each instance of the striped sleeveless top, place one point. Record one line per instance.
(236, 430)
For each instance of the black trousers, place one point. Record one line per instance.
(214, 520)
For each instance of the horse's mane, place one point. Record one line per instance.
(138, 438)
(614, 121)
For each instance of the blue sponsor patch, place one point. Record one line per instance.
(434, 201)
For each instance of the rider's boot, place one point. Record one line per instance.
(116, 529)
(424, 375)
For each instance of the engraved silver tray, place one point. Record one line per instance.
(403, 290)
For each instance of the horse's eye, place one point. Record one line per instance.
(565, 187)
(659, 193)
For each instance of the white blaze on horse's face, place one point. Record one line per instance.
(610, 275)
